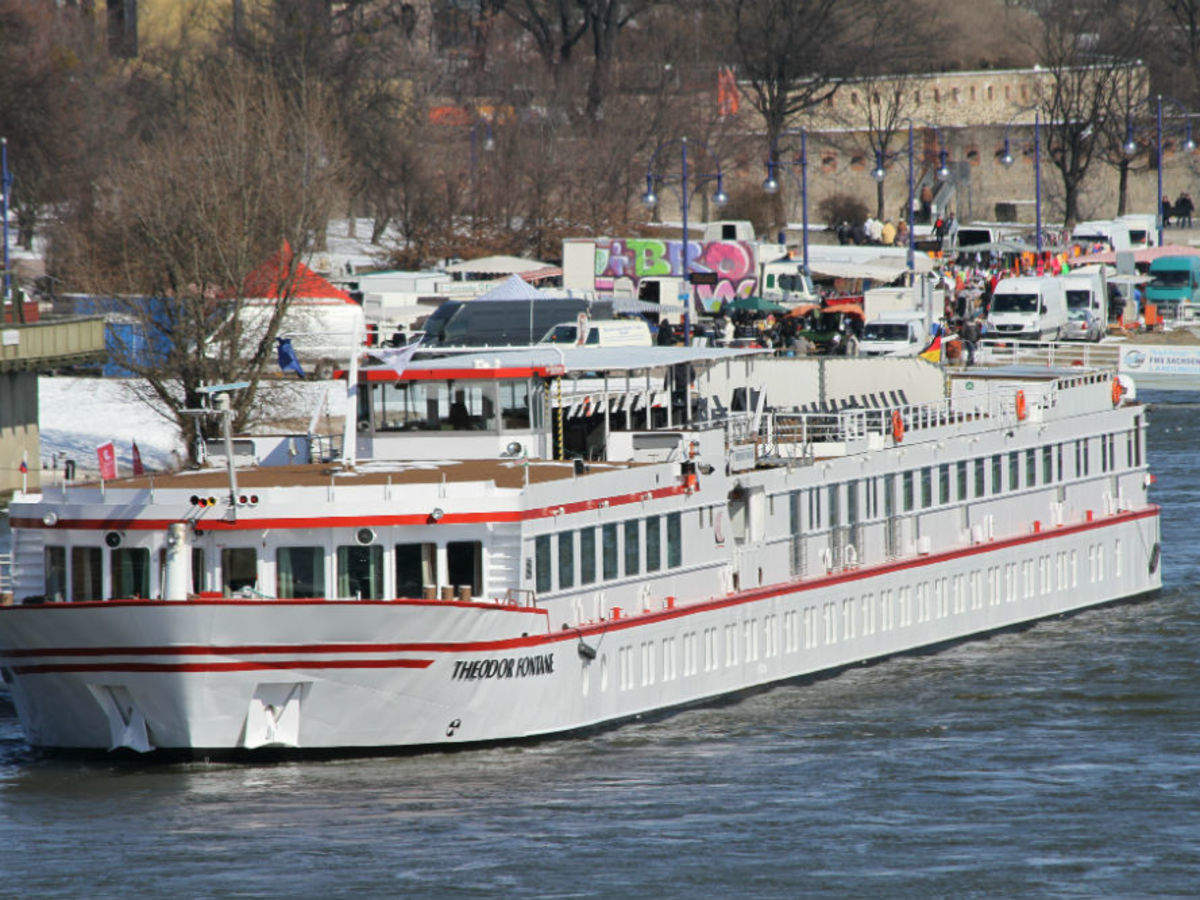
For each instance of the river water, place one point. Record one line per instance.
(1061, 760)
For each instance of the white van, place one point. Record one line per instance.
(1028, 309)
(1143, 230)
(608, 333)
(894, 333)
(1087, 304)
(1114, 233)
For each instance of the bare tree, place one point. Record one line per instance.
(179, 225)
(1086, 51)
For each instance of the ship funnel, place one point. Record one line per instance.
(177, 561)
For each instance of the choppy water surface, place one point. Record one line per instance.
(1062, 760)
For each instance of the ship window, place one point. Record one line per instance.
(514, 404)
(566, 559)
(1087, 465)
(835, 512)
(1047, 464)
(852, 502)
(587, 555)
(130, 572)
(416, 570)
(926, 487)
(435, 406)
(300, 572)
(1059, 468)
(1030, 467)
(944, 483)
(464, 565)
(980, 477)
(360, 571)
(197, 570)
(675, 539)
(541, 552)
(239, 569)
(907, 485)
(55, 561)
(1014, 470)
(608, 549)
(633, 563)
(889, 495)
(997, 473)
(653, 543)
(961, 477)
(1137, 441)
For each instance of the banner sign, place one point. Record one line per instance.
(1144, 359)
(106, 454)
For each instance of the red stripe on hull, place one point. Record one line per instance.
(500, 516)
(262, 665)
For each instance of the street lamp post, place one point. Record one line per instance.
(771, 185)
(879, 173)
(1130, 148)
(489, 144)
(687, 181)
(6, 181)
(1007, 160)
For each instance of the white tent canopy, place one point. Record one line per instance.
(514, 287)
(496, 265)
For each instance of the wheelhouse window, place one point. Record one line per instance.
(587, 555)
(239, 569)
(1047, 464)
(130, 572)
(360, 571)
(300, 572)
(980, 477)
(907, 488)
(1014, 470)
(55, 561)
(653, 544)
(543, 573)
(926, 487)
(608, 534)
(434, 406)
(944, 483)
(464, 565)
(86, 573)
(416, 570)
(961, 475)
(1030, 467)
(514, 405)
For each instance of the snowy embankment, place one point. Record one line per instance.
(79, 414)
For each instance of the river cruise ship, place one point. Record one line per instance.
(513, 544)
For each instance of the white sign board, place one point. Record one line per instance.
(10, 337)
(1161, 366)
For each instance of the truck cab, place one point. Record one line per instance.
(894, 333)
(1174, 280)
(785, 282)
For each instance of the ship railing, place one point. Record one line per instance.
(997, 351)
(520, 597)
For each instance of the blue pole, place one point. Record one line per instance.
(1037, 174)
(686, 292)
(1158, 200)
(5, 187)
(912, 237)
(804, 194)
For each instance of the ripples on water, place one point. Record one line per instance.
(1064, 760)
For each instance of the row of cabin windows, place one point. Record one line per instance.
(299, 571)
(966, 479)
(626, 549)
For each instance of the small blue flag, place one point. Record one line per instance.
(288, 362)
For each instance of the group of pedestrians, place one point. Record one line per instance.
(883, 232)
(1181, 211)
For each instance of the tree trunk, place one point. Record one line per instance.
(879, 210)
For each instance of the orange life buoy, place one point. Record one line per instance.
(897, 427)
(1117, 390)
(1021, 410)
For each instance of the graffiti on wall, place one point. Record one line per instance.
(622, 263)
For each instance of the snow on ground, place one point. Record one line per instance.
(79, 414)
(344, 255)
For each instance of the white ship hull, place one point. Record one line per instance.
(226, 676)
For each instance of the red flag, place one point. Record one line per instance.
(107, 455)
(24, 466)
(138, 469)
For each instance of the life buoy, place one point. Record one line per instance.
(1022, 412)
(897, 427)
(1118, 390)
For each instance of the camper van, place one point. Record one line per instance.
(614, 333)
(1087, 304)
(1115, 234)
(1031, 309)
(894, 333)
(1143, 230)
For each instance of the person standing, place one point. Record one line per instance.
(1166, 212)
(1183, 210)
